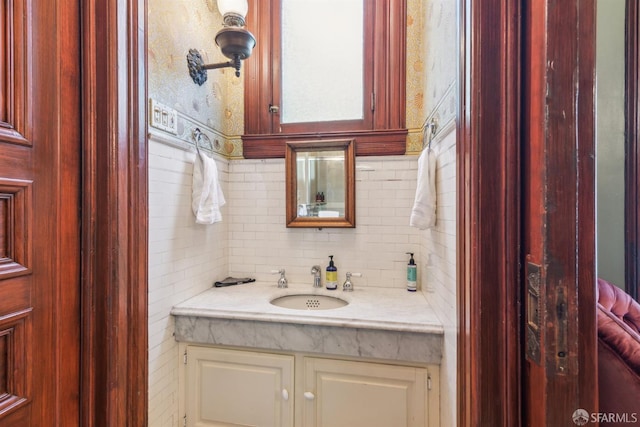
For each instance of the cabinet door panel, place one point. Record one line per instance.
(236, 388)
(355, 394)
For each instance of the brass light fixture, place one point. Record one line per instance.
(235, 41)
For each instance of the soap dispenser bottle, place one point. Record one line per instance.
(412, 274)
(331, 275)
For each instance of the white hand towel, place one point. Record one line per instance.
(207, 197)
(423, 214)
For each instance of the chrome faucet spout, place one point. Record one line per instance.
(315, 270)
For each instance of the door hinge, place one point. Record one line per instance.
(373, 101)
(184, 420)
(184, 357)
(429, 382)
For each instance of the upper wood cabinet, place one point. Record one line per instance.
(381, 129)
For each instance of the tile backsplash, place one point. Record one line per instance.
(259, 241)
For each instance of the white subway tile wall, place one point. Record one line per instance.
(259, 241)
(438, 263)
(184, 260)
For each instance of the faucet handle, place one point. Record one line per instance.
(347, 286)
(282, 281)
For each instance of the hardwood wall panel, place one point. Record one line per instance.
(15, 225)
(14, 105)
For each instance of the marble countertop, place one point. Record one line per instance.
(369, 308)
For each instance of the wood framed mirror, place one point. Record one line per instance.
(320, 183)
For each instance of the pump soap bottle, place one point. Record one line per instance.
(412, 274)
(331, 275)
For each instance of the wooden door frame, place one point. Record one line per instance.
(490, 343)
(114, 214)
(488, 211)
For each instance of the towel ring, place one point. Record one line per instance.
(197, 136)
(431, 129)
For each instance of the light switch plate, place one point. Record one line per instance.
(163, 117)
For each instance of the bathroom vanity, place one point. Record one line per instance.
(373, 361)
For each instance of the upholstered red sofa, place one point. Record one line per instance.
(618, 351)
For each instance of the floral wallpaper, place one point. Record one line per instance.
(216, 107)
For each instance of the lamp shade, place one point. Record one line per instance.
(236, 7)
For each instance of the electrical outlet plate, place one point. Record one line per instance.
(163, 117)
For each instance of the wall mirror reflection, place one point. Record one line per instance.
(320, 183)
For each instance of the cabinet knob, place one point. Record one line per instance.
(309, 396)
(285, 394)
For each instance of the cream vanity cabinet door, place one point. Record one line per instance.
(238, 388)
(339, 393)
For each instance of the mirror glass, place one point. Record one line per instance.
(320, 184)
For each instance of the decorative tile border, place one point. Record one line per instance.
(212, 140)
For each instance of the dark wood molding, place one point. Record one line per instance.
(368, 143)
(488, 132)
(632, 151)
(114, 215)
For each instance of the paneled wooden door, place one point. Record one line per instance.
(40, 154)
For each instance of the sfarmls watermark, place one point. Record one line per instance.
(581, 417)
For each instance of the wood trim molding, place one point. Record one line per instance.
(368, 143)
(114, 215)
(488, 211)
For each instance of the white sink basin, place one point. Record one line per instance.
(309, 302)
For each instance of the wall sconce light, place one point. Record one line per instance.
(235, 42)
